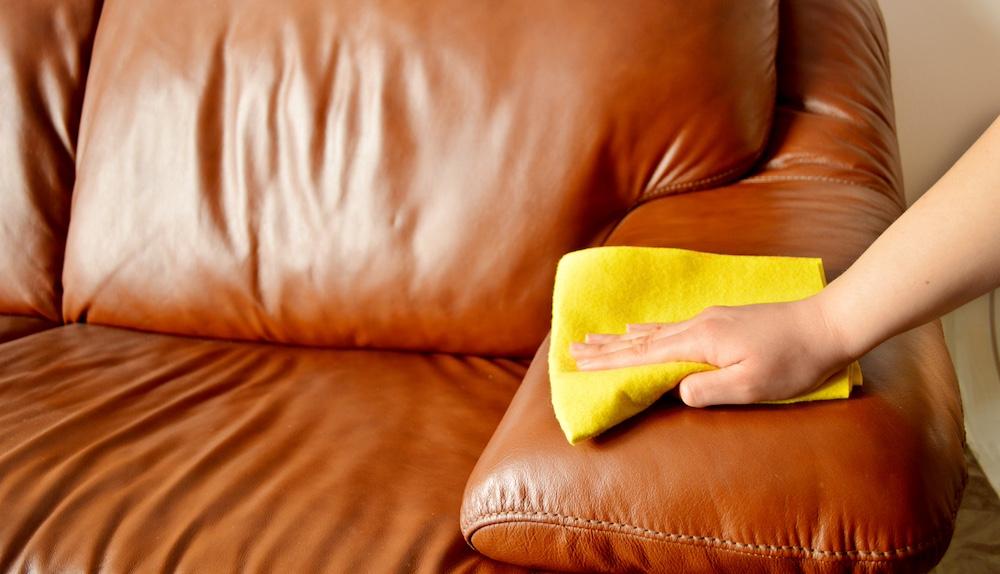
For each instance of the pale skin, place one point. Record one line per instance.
(942, 252)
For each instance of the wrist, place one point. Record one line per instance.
(838, 334)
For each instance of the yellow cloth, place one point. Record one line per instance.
(601, 290)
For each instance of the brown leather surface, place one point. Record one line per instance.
(132, 452)
(398, 174)
(834, 119)
(15, 326)
(44, 51)
(808, 218)
(871, 484)
(391, 173)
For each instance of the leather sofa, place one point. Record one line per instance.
(275, 282)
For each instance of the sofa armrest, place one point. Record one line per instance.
(871, 483)
(835, 221)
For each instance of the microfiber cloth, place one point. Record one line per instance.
(601, 290)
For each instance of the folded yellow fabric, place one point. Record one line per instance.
(603, 289)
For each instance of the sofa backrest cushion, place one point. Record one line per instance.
(45, 46)
(391, 173)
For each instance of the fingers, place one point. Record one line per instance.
(646, 327)
(719, 387)
(599, 343)
(612, 337)
(587, 350)
(683, 346)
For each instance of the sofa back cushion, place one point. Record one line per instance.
(44, 50)
(391, 173)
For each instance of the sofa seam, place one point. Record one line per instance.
(754, 179)
(824, 179)
(661, 190)
(762, 146)
(599, 524)
(742, 167)
(807, 554)
(720, 548)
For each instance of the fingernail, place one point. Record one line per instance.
(582, 364)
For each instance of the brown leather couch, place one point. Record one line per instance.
(272, 275)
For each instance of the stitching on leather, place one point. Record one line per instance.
(674, 537)
(768, 178)
(662, 189)
(778, 178)
(762, 146)
(711, 539)
(719, 548)
(592, 523)
(688, 185)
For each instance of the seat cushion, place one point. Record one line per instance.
(130, 452)
(391, 173)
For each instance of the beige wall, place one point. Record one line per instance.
(945, 57)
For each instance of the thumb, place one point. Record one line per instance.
(725, 386)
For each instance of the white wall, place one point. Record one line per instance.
(945, 57)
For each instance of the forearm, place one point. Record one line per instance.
(944, 251)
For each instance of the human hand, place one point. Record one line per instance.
(763, 352)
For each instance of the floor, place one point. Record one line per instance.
(976, 546)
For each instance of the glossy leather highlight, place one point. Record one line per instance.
(391, 173)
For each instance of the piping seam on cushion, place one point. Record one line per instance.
(743, 167)
(819, 178)
(744, 552)
(690, 185)
(761, 146)
(779, 178)
(597, 524)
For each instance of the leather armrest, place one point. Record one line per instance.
(869, 484)
(807, 218)
(872, 483)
